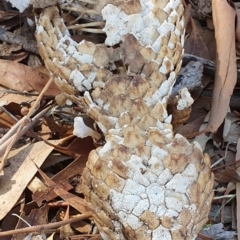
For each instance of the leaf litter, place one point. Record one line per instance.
(41, 176)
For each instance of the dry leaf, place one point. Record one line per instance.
(6, 49)
(55, 158)
(226, 68)
(238, 25)
(200, 107)
(191, 127)
(48, 194)
(76, 167)
(10, 221)
(76, 202)
(227, 175)
(79, 146)
(36, 185)
(36, 217)
(12, 105)
(66, 231)
(195, 45)
(23, 78)
(82, 226)
(19, 173)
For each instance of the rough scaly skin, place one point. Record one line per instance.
(144, 183)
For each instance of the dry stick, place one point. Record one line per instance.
(37, 102)
(23, 130)
(30, 132)
(33, 109)
(84, 25)
(87, 236)
(90, 1)
(92, 30)
(58, 204)
(75, 21)
(43, 227)
(12, 131)
(81, 10)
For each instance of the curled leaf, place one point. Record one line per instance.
(226, 68)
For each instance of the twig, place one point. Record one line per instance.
(90, 1)
(43, 227)
(17, 135)
(225, 196)
(57, 204)
(21, 219)
(221, 159)
(27, 120)
(84, 25)
(30, 132)
(37, 102)
(33, 109)
(11, 132)
(91, 30)
(81, 10)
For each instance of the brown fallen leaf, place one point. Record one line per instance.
(48, 193)
(23, 78)
(6, 121)
(226, 68)
(62, 177)
(6, 50)
(238, 25)
(191, 127)
(76, 167)
(194, 44)
(200, 108)
(229, 174)
(10, 221)
(63, 130)
(36, 217)
(10, 19)
(75, 201)
(19, 173)
(66, 231)
(82, 226)
(12, 103)
(6, 15)
(11, 52)
(78, 146)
